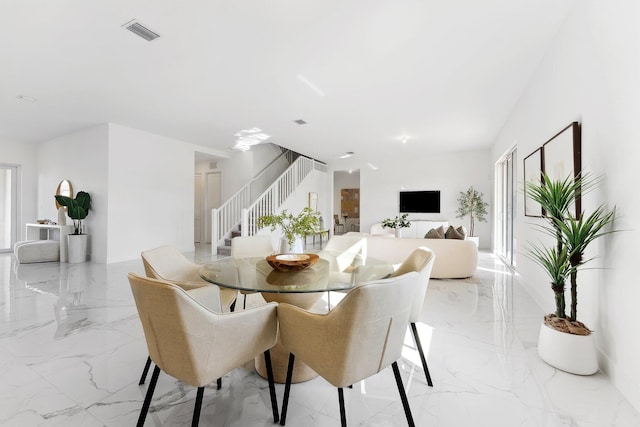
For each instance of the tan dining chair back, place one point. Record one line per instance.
(360, 337)
(167, 263)
(421, 261)
(193, 344)
(251, 246)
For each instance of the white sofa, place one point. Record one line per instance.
(454, 258)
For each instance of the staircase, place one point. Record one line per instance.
(238, 216)
(225, 249)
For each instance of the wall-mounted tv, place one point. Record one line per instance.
(420, 201)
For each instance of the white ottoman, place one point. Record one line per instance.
(30, 251)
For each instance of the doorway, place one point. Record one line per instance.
(506, 208)
(346, 201)
(8, 206)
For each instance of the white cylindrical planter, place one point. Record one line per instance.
(77, 247)
(296, 248)
(571, 353)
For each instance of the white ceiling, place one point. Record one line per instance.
(362, 73)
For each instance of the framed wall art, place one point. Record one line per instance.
(561, 156)
(533, 175)
(313, 201)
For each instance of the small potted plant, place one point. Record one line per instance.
(398, 223)
(471, 203)
(77, 210)
(563, 337)
(294, 227)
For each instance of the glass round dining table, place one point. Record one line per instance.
(333, 271)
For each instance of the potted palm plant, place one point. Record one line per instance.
(398, 223)
(563, 336)
(77, 210)
(293, 227)
(471, 203)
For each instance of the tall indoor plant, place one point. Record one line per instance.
(294, 227)
(471, 203)
(571, 236)
(77, 210)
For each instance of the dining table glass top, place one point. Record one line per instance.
(334, 271)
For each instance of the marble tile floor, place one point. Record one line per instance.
(72, 350)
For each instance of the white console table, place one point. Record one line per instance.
(51, 232)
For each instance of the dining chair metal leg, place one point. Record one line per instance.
(272, 386)
(197, 408)
(287, 387)
(147, 398)
(403, 395)
(145, 371)
(416, 338)
(343, 414)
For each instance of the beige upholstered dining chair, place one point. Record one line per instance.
(167, 263)
(250, 247)
(195, 345)
(421, 261)
(371, 320)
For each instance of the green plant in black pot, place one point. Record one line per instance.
(77, 209)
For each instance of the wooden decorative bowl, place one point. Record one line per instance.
(292, 262)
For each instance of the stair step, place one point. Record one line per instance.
(236, 233)
(224, 250)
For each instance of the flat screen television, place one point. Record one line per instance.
(420, 201)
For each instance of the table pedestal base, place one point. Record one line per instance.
(280, 362)
(279, 354)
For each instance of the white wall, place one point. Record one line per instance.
(590, 74)
(25, 156)
(450, 173)
(151, 193)
(242, 167)
(80, 157)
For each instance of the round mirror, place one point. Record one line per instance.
(64, 189)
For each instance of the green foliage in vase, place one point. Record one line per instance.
(398, 222)
(305, 223)
(77, 209)
(470, 203)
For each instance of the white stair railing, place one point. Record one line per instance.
(228, 216)
(270, 201)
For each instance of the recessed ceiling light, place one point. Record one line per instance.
(347, 154)
(26, 98)
(404, 139)
(300, 122)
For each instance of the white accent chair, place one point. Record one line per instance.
(360, 337)
(195, 345)
(30, 251)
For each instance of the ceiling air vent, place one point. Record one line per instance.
(140, 30)
(300, 122)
